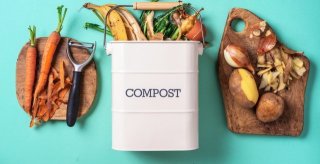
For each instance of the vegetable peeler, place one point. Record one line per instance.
(74, 96)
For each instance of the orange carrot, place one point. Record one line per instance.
(48, 54)
(31, 61)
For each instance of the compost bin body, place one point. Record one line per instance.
(154, 95)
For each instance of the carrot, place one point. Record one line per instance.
(48, 53)
(31, 61)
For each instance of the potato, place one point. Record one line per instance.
(243, 88)
(270, 107)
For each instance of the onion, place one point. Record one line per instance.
(195, 32)
(237, 57)
(266, 44)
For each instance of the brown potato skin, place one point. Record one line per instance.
(236, 91)
(270, 107)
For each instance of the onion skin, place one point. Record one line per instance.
(266, 44)
(195, 33)
(237, 57)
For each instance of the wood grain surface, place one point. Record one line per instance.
(89, 83)
(241, 120)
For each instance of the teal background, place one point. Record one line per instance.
(296, 22)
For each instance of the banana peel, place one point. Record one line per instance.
(139, 35)
(114, 21)
(129, 30)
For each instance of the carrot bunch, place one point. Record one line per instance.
(45, 67)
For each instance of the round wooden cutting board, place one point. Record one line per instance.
(89, 75)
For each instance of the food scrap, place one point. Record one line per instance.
(173, 24)
(44, 104)
(243, 88)
(276, 67)
(53, 97)
(238, 57)
(270, 107)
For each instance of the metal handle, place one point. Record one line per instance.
(81, 44)
(74, 99)
(105, 23)
(89, 46)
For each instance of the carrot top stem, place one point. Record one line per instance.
(61, 15)
(32, 31)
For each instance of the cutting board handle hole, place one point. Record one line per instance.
(237, 24)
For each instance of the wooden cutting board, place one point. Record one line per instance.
(241, 120)
(89, 83)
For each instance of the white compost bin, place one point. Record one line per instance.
(154, 95)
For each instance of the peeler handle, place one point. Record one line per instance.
(155, 5)
(74, 99)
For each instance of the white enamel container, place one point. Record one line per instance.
(154, 95)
